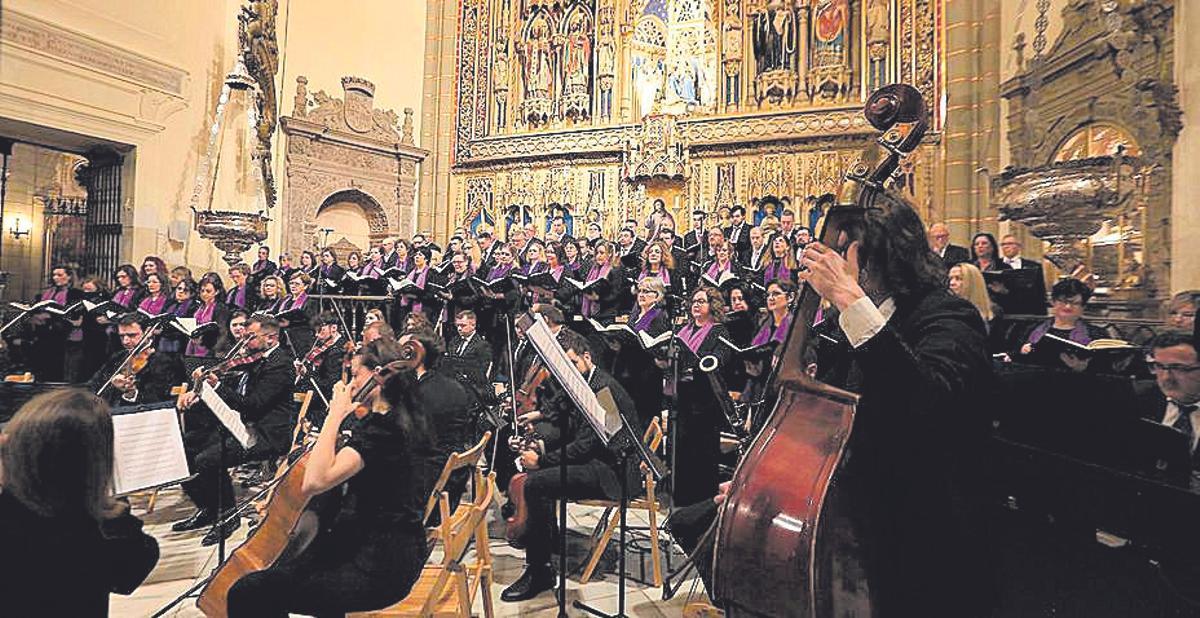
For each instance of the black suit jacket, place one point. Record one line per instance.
(472, 362)
(268, 400)
(742, 246)
(918, 428)
(955, 255)
(154, 382)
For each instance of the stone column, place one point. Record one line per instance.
(1185, 213)
(971, 140)
(437, 116)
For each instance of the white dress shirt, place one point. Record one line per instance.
(1014, 262)
(1172, 415)
(862, 320)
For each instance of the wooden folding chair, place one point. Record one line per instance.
(457, 461)
(653, 438)
(449, 589)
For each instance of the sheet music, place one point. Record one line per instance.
(147, 449)
(538, 334)
(229, 417)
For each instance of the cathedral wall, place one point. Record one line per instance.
(1185, 195)
(148, 75)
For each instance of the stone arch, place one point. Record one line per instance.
(377, 219)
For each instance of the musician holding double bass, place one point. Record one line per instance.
(372, 553)
(920, 359)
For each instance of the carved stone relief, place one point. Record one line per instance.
(346, 150)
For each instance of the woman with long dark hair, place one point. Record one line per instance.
(987, 253)
(157, 297)
(371, 555)
(67, 542)
(211, 309)
(129, 286)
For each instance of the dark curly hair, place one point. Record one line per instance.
(894, 249)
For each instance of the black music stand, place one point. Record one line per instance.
(623, 442)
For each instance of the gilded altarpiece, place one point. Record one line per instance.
(607, 105)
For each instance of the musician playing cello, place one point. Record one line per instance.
(919, 356)
(374, 551)
(591, 472)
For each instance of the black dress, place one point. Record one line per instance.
(372, 554)
(698, 429)
(67, 566)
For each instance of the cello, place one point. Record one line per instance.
(286, 531)
(781, 519)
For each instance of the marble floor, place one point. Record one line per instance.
(184, 562)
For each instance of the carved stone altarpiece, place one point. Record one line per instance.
(345, 150)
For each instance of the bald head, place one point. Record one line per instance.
(939, 237)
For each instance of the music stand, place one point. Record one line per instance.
(616, 436)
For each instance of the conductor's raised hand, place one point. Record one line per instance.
(835, 278)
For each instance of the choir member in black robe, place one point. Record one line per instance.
(697, 430)
(51, 333)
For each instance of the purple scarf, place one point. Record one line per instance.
(642, 322)
(419, 280)
(152, 305)
(295, 303)
(59, 295)
(692, 337)
(498, 271)
(776, 270)
(587, 306)
(557, 273)
(203, 315)
(533, 268)
(770, 332)
(124, 297)
(662, 273)
(714, 271)
(372, 270)
(1079, 334)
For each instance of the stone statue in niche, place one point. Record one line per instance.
(606, 71)
(500, 79)
(878, 36)
(775, 37)
(576, 67)
(537, 72)
(649, 75)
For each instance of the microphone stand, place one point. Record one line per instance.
(672, 435)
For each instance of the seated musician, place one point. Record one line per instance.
(67, 543)
(373, 552)
(142, 380)
(379, 329)
(921, 356)
(321, 365)
(591, 473)
(263, 398)
(1177, 372)
(439, 398)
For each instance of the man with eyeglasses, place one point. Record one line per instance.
(1177, 372)
(263, 398)
(939, 242)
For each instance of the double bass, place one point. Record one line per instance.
(781, 518)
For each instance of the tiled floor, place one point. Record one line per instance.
(184, 562)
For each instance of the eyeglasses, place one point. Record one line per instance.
(1070, 302)
(699, 301)
(774, 293)
(1172, 368)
